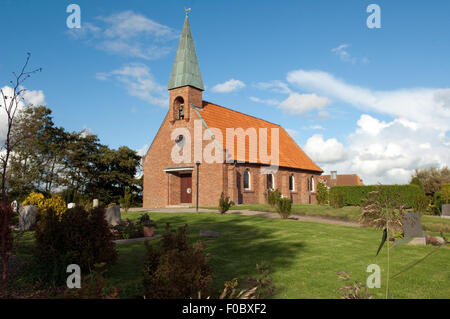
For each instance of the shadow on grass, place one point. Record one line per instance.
(243, 242)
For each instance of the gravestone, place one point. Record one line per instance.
(112, 215)
(71, 205)
(95, 203)
(445, 211)
(412, 228)
(27, 217)
(209, 233)
(14, 206)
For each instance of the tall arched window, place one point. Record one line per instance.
(312, 184)
(291, 183)
(178, 108)
(247, 179)
(270, 181)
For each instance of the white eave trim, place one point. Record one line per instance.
(177, 169)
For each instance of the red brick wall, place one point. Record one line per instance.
(162, 189)
(258, 182)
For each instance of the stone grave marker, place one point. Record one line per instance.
(14, 206)
(445, 211)
(209, 233)
(112, 215)
(412, 228)
(27, 217)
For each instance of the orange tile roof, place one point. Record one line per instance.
(342, 180)
(290, 154)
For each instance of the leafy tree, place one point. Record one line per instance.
(322, 193)
(416, 181)
(432, 178)
(36, 164)
(49, 157)
(127, 199)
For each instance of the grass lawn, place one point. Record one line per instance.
(303, 257)
(350, 213)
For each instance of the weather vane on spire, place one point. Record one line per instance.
(187, 11)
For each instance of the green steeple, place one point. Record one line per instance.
(185, 70)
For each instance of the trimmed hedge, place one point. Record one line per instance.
(446, 193)
(354, 195)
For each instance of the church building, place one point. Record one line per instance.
(191, 152)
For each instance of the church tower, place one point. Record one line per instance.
(185, 83)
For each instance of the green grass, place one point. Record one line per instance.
(348, 213)
(304, 257)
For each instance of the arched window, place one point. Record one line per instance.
(178, 108)
(291, 183)
(247, 179)
(270, 182)
(312, 184)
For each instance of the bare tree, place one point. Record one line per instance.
(10, 103)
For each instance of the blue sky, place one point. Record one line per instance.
(370, 101)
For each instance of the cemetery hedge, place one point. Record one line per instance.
(354, 195)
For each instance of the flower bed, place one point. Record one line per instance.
(131, 229)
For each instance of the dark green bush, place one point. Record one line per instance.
(127, 199)
(93, 286)
(322, 194)
(283, 207)
(224, 203)
(272, 197)
(437, 203)
(176, 269)
(421, 203)
(354, 195)
(50, 261)
(78, 237)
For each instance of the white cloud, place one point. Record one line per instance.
(321, 151)
(370, 125)
(419, 106)
(85, 131)
(143, 150)
(313, 127)
(128, 24)
(388, 152)
(127, 34)
(292, 133)
(228, 86)
(379, 151)
(139, 82)
(34, 97)
(29, 97)
(297, 104)
(264, 101)
(273, 86)
(342, 52)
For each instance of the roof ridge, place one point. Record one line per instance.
(341, 174)
(258, 118)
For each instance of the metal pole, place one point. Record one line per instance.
(196, 206)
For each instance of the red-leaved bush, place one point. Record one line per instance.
(176, 269)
